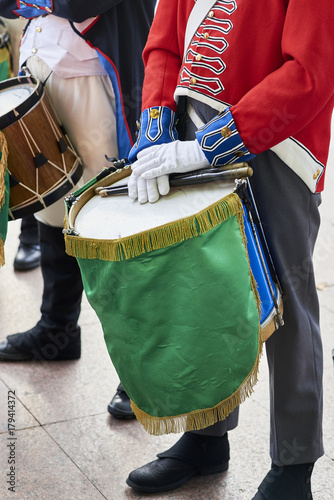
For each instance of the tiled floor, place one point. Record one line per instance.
(69, 448)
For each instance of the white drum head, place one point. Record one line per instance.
(118, 216)
(12, 97)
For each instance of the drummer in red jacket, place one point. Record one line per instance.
(257, 85)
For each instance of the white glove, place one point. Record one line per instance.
(147, 190)
(150, 172)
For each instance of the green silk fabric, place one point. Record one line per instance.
(5, 68)
(181, 323)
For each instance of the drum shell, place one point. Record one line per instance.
(35, 131)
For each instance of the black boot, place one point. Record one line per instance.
(193, 454)
(290, 482)
(57, 335)
(28, 255)
(120, 405)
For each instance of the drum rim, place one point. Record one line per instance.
(268, 326)
(10, 118)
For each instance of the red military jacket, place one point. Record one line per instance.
(272, 61)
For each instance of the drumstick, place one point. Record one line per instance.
(196, 177)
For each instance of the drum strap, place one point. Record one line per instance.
(46, 79)
(24, 71)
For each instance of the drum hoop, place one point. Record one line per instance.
(148, 240)
(268, 326)
(27, 105)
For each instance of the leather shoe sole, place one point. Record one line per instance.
(9, 353)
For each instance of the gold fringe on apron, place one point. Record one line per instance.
(3, 168)
(156, 238)
(199, 419)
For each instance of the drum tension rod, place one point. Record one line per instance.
(70, 232)
(118, 165)
(71, 199)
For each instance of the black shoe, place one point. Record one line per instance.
(28, 257)
(41, 344)
(120, 406)
(193, 454)
(290, 482)
(9, 353)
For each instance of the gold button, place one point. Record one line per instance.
(198, 57)
(138, 125)
(48, 9)
(211, 13)
(238, 154)
(316, 175)
(206, 36)
(154, 113)
(226, 132)
(38, 29)
(192, 81)
(34, 50)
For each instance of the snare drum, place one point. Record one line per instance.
(42, 163)
(178, 296)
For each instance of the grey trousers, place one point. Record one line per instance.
(290, 217)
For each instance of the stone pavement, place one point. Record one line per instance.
(69, 448)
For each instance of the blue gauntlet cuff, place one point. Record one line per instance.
(157, 126)
(221, 142)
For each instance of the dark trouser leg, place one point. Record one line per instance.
(291, 220)
(29, 231)
(56, 335)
